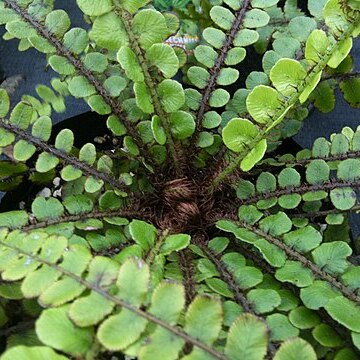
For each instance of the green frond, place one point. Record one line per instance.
(183, 233)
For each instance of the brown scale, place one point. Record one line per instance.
(180, 205)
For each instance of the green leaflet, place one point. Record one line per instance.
(165, 305)
(238, 133)
(262, 103)
(171, 95)
(143, 98)
(21, 115)
(157, 130)
(133, 6)
(246, 37)
(116, 334)
(198, 76)
(23, 151)
(304, 318)
(96, 62)
(203, 311)
(47, 208)
(77, 39)
(300, 27)
(143, 233)
(256, 18)
(345, 312)
(164, 58)
(332, 256)
(247, 327)
(326, 336)
(281, 328)
(222, 17)
(286, 75)
(95, 8)
(108, 32)
(129, 63)
(150, 27)
(295, 273)
(350, 91)
(61, 65)
(4, 103)
(31, 353)
(214, 37)
(58, 22)
(316, 45)
(295, 349)
(264, 300)
(205, 55)
(175, 243)
(69, 338)
(254, 156)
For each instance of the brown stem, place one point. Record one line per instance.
(83, 217)
(215, 70)
(68, 159)
(227, 276)
(317, 214)
(337, 157)
(300, 190)
(150, 84)
(341, 77)
(187, 269)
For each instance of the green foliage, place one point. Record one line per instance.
(187, 234)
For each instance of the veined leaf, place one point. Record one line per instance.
(295, 349)
(21, 352)
(287, 75)
(55, 329)
(238, 133)
(94, 7)
(247, 339)
(203, 319)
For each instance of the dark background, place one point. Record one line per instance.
(32, 65)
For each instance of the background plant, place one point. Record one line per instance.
(189, 234)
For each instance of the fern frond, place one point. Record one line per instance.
(252, 146)
(252, 234)
(110, 287)
(51, 156)
(58, 47)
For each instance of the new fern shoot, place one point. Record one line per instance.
(190, 234)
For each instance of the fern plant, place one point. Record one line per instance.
(189, 234)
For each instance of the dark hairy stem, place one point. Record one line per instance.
(18, 328)
(83, 217)
(150, 84)
(341, 77)
(302, 189)
(337, 157)
(227, 276)
(188, 271)
(317, 214)
(292, 254)
(68, 159)
(215, 70)
(81, 69)
(139, 312)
